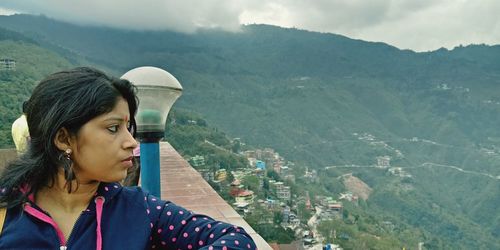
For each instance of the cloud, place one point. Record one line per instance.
(186, 16)
(420, 25)
(7, 12)
(444, 24)
(416, 24)
(345, 15)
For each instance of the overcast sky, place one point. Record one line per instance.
(420, 25)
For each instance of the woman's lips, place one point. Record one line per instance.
(128, 162)
(129, 158)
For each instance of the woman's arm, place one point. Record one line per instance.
(178, 228)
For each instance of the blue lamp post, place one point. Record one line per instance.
(157, 92)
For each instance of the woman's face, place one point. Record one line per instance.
(104, 147)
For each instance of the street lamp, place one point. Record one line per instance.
(157, 92)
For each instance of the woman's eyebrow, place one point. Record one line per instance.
(119, 119)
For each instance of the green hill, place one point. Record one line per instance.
(32, 64)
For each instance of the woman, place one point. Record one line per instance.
(63, 193)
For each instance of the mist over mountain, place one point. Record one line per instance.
(328, 101)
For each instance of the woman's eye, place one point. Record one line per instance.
(113, 129)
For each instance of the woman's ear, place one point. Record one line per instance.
(63, 139)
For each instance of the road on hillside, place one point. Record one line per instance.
(431, 164)
(312, 223)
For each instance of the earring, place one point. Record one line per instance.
(69, 174)
(67, 154)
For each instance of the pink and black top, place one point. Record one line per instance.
(122, 218)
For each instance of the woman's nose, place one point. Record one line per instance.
(130, 141)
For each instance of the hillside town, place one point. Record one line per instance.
(267, 187)
(271, 192)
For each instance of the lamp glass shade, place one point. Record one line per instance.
(157, 92)
(154, 105)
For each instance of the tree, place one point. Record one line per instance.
(273, 175)
(251, 182)
(277, 217)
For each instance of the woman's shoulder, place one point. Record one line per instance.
(139, 197)
(133, 194)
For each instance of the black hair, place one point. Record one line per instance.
(66, 99)
(25, 105)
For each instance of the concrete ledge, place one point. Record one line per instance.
(183, 185)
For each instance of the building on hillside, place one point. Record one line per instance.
(236, 183)
(259, 153)
(261, 183)
(383, 161)
(250, 154)
(289, 177)
(286, 174)
(271, 204)
(283, 192)
(311, 176)
(348, 197)
(197, 161)
(242, 207)
(271, 183)
(308, 201)
(220, 175)
(207, 174)
(400, 172)
(277, 166)
(294, 221)
(244, 196)
(260, 165)
(286, 214)
(239, 175)
(331, 246)
(336, 207)
(285, 170)
(7, 64)
(252, 161)
(236, 188)
(333, 207)
(268, 156)
(308, 204)
(259, 172)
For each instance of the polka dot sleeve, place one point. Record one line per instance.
(178, 228)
